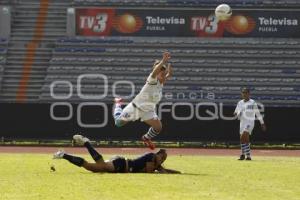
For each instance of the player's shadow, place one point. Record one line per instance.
(155, 174)
(186, 174)
(194, 174)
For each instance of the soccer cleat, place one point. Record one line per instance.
(59, 154)
(242, 157)
(118, 100)
(79, 139)
(248, 158)
(148, 143)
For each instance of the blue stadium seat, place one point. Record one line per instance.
(289, 71)
(210, 68)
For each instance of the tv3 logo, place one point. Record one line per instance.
(207, 24)
(96, 23)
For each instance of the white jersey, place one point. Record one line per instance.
(150, 95)
(246, 112)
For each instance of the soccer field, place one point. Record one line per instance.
(28, 176)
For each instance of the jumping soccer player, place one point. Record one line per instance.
(143, 105)
(147, 163)
(246, 110)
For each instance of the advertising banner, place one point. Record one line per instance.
(186, 23)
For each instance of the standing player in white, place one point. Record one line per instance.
(144, 104)
(246, 110)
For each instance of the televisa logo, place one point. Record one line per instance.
(278, 22)
(162, 21)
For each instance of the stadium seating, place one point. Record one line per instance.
(3, 52)
(27, 37)
(201, 66)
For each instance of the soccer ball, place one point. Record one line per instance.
(223, 12)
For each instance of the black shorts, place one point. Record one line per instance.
(119, 164)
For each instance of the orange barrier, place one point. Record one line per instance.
(29, 60)
(41, 20)
(31, 49)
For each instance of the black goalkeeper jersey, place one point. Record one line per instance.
(139, 164)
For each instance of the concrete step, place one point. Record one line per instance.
(30, 90)
(26, 12)
(20, 72)
(31, 93)
(18, 76)
(51, 1)
(20, 67)
(30, 33)
(22, 53)
(16, 81)
(36, 4)
(37, 8)
(23, 45)
(28, 100)
(22, 48)
(33, 20)
(30, 12)
(16, 84)
(46, 34)
(22, 57)
(8, 89)
(29, 30)
(22, 39)
(11, 95)
(34, 16)
(47, 25)
(18, 62)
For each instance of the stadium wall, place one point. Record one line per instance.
(5, 21)
(34, 121)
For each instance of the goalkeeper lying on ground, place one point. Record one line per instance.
(147, 163)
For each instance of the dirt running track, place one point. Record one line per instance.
(173, 151)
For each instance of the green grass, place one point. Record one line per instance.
(28, 177)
